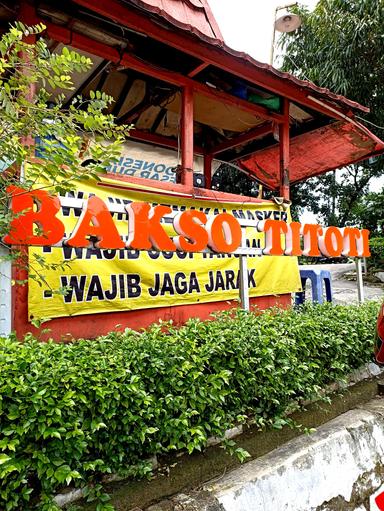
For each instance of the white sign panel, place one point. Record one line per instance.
(152, 162)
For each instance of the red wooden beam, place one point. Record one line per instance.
(177, 79)
(284, 152)
(81, 42)
(208, 171)
(186, 177)
(19, 297)
(201, 193)
(243, 138)
(124, 15)
(198, 69)
(85, 43)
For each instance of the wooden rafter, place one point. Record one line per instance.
(159, 117)
(123, 94)
(148, 101)
(242, 139)
(122, 14)
(135, 112)
(95, 73)
(129, 61)
(198, 69)
(160, 140)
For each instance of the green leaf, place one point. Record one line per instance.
(4, 458)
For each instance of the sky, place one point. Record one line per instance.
(248, 27)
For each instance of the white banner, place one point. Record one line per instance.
(152, 162)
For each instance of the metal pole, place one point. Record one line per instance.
(284, 144)
(278, 8)
(273, 40)
(243, 274)
(243, 288)
(359, 278)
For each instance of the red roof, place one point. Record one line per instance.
(315, 152)
(195, 16)
(312, 153)
(338, 98)
(191, 15)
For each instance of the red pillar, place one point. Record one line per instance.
(284, 151)
(27, 15)
(186, 177)
(208, 171)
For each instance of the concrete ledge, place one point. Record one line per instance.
(179, 472)
(339, 467)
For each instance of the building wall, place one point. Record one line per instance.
(5, 294)
(92, 325)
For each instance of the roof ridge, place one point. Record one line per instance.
(216, 40)
(208, 28)
(212, 21)
(195, 3)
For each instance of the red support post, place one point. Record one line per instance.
(27, 16)
(20, 267)
(186, 177)
(208, 171)
(284, 152)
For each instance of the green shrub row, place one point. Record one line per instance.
(70, 413)
(376, 246)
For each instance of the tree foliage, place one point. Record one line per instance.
(230, 179)
(341, 198)
(32, 116)
(340, 45)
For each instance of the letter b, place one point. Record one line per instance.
(23, 226)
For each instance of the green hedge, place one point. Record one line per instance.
(70, 413)
(376, 246)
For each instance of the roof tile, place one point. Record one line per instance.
(193, 15)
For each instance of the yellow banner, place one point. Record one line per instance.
(119, 280)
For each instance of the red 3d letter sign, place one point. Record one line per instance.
(35, 223)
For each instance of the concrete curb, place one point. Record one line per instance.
(339, 467)
(370, 370)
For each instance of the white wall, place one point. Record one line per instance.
(5, 294)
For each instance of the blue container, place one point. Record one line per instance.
(240, 90)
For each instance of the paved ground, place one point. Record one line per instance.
(345, 291)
